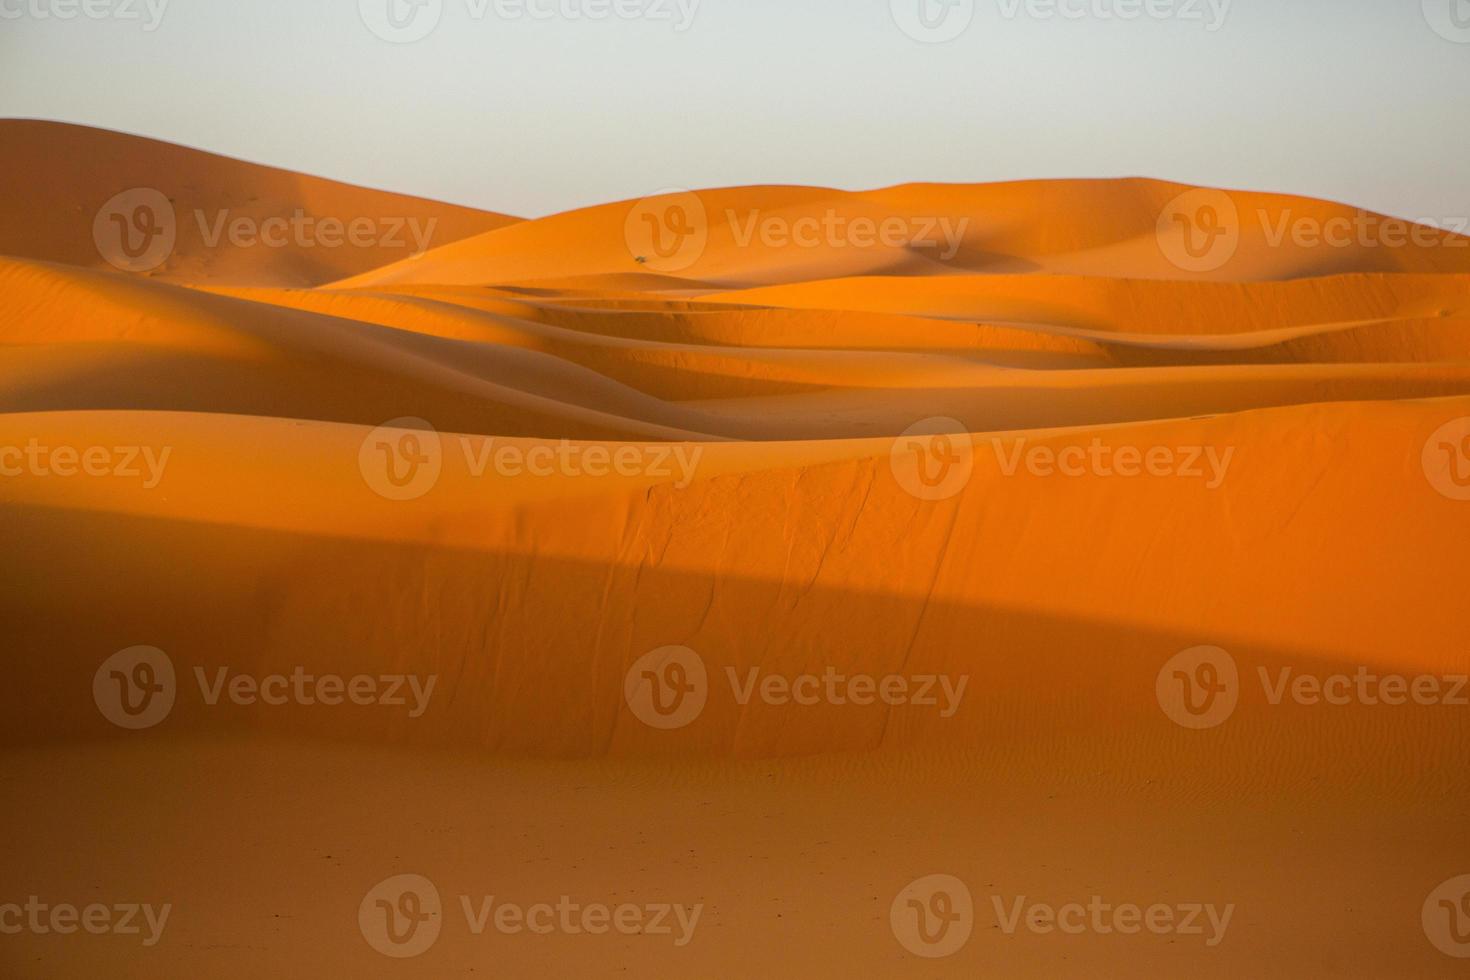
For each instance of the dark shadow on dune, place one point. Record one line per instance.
(530, 656)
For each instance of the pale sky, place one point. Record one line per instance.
(1363, 101)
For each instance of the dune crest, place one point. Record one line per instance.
(227, 221)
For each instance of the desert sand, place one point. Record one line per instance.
(696, 422)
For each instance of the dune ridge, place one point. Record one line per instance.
(813, 377)
(84, 168)
(1035, 457)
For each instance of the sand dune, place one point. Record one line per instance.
(60, 177)
(1031, 471)
(760, 236)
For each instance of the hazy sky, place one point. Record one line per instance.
(535, 106)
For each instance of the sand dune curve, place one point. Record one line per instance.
(626, 491)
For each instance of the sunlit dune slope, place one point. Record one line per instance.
(59, 176)
(1061, 617)
(782, 414)
(81, 340)
(748, 236)
(1027, 466)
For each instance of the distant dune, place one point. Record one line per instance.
(796, 431)
(1074, 227)
(58, 176)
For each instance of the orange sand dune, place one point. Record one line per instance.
(60, 176)
(771, 586)
(744, 237)
(476, 371)
(1122, 305)
(1246, 333)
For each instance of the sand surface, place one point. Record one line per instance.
(1029, 474)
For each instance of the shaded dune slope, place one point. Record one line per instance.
(69, 173)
